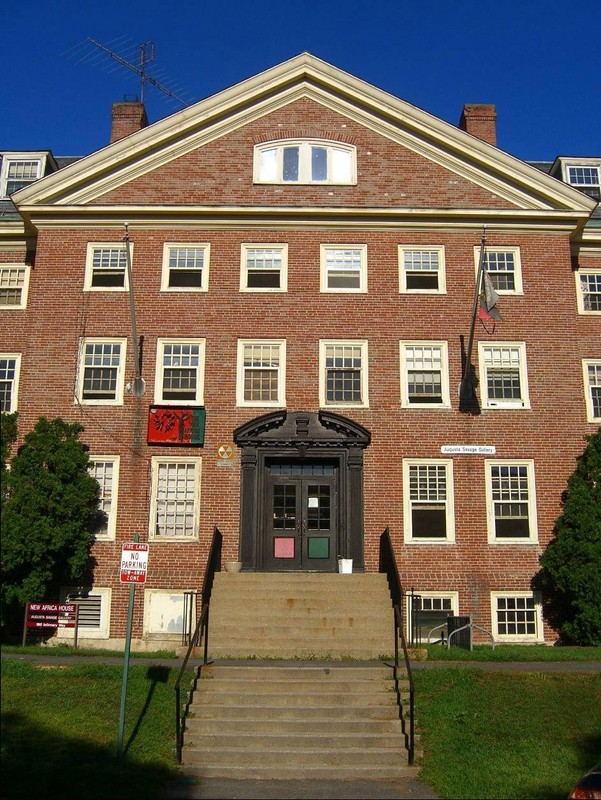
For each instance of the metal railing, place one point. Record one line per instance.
(388, 565)
(470, 626)
(200, 634)
(190, 605)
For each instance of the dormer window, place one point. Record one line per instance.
(584, 174)
(305, 162)
(19, 170)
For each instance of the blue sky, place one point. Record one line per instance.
(538, 62)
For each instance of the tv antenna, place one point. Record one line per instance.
(146, 57)
(144, 54)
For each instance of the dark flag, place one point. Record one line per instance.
(487, 309)
(484, 308)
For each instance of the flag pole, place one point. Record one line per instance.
(139, 384)
(465, 385)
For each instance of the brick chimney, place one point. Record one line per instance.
(480, 120)
(127, 117)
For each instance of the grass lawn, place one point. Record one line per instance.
(516, 652)
(69, 650)
(507, 735)
(484, 734)
(60, 726)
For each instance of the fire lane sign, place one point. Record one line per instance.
(134, 562)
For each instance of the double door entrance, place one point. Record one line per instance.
(301, 515)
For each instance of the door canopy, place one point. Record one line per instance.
(300, 429)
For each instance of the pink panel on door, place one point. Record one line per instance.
(283, 547)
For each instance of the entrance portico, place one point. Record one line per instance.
(302, 491)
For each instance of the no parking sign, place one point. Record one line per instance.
(134, 562)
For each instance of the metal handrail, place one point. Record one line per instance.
(470, 625)
(389, 566)
(435, 628)
(201, 631)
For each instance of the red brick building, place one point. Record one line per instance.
(304, 250)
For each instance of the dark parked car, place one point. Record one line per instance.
(589, 786)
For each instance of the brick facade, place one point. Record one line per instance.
(189, 199)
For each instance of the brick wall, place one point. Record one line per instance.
(60, 312)
(545, 317)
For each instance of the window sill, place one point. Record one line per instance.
(174, 539)
(444, 542)
(105, 289)
(514, 542)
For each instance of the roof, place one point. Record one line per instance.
(80, 183)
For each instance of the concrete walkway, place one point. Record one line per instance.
(175, 663)
(224, 789)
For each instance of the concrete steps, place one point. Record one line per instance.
(297, 722)
(301, 615)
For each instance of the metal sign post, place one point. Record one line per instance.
(134, 563)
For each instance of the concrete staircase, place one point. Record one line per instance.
(304, 721)
(301, 615)
(308, 697)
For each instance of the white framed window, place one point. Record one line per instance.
(343, 374)
(584, 174)
(424, 375)
(106, 471)
(504, 267)
(516, 616)
(503, 375)
(94, 611)
(164, 612)
(591, 368)
(185, 267)
(101, 371)
(179, 376)
(428, 500)
(422, 269)
(305, 161)
(10, 370)
(175, 501)
(264, 268)
(511, 502)
(344, 268)
(588, 291)
(19, 170)
(14, 285)
(261, 372)
(106, 267)
(426, 611)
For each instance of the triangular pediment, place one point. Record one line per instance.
(95, 180)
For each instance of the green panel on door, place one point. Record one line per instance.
(319, 547)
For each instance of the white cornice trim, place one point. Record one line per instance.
(286, 217)
(303, 76)
(10, 228)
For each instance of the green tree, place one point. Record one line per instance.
(50, 505)
(8, 436)
(571, 564)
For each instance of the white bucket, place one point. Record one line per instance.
(345, 565)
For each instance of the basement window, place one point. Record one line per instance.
(516, 616)
(94, 611)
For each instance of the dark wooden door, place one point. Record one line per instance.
(301, 516)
